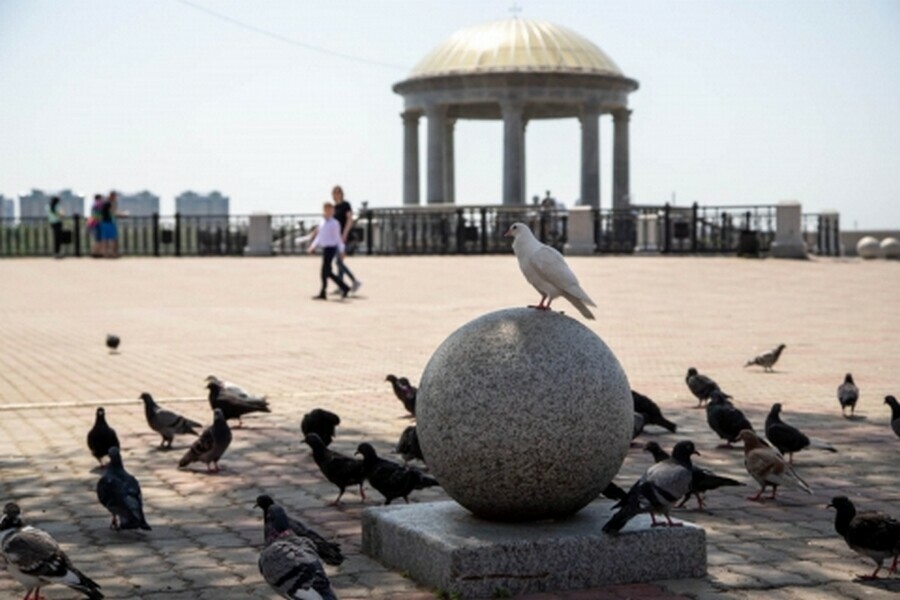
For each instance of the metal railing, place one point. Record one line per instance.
(822, 234)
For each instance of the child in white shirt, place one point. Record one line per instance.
(329, 237)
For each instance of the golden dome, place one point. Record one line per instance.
(515, 45)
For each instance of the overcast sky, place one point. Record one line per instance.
(740, 102)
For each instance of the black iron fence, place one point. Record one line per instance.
(822, 233)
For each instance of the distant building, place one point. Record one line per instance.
(34, 204)
(142, 204)
(7, 208)
(213, 205)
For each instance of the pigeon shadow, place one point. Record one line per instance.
(856, 418)
(882, 583)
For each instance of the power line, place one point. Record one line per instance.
(292, 42)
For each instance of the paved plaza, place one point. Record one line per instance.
(253, 321)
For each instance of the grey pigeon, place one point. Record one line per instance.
(701, 386)
(112, 342)
(652, 414)
(787, 438)
(657, 490)
(120, 493)
(329, 552)
(408, 445)
(235, 406)
(165, 422)
(868, 533)
(726, 420)
(320, 422)
(101, 437)
(392, 480)
(895, 413)
(767, 360)
(546, 270)
(33, 558)
(343, 471)
(703, 480)
(848, 395)
(405, 392)
(211, 444)
(290, 564)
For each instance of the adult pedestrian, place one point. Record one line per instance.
(109, 235)
(54, 218)
(343, 214)
(93, 225)
(328, 236)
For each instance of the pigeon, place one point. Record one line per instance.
(726, 420)
(120, 493)
(289, 563)
(392, 480)
(767, 360)
(343, 471)
(229, 388)
(651, 412)
(657, 489)
(768, 467)
(895, 413)
(869, 533)
(546, 270)
(787, 438)
(614, 492)
(848, 395)
(33, 558)
(701, 386)
(329, 552)
(234, 407)
(101, 437)
(320, 422)
(112, 342)
(638, 426)
(702, 480)
(165, 422)
(211, 444)
(405, 392)
(408, 446)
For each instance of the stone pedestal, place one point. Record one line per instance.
(443, 546)
(580, 231)
(259, 235)
(648, 234)
(788, 231)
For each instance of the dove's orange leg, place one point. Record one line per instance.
(540, 305)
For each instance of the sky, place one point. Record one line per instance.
(740, 102)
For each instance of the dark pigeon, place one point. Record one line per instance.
(112, 342)
(405, 392)
(320, 422)
(652, 414)
(233, 407)
(895, 413)
(767, 360)
(120, 493)
(702, 481)
(101, 437)
(657, 490)
(329, 552)
(341, 470)
(408, 446)
(848, 395)
(392, 480)
(868, 533)
(701, 386)
(165, 422)
(787, 438)
(33, 558)
(726, 420)
(614, 492)
(211, 444)
(290, 564)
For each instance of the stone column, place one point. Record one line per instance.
(449, 169)
(410, 157)
(621, 193)
(590, 156)
(788, 231)
(580, 231)
(437, 130)
(259, 235)
(513, 152)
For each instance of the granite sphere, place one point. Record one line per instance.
(524, 415)
(890, 247)
(868, 247)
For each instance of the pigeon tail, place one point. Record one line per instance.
(630, 507)
(821, 445)
(580, 305)
(667, 424)
(83, 584)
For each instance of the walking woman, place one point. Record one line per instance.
(343, 213)
(54, 218)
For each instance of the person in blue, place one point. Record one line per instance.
(343, 213)
(328, 236)
(54, 218)
(109, 234)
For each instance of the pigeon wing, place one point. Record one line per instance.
(549, 265)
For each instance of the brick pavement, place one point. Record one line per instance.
(252, 321)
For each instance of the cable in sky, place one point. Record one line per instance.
(287, 40)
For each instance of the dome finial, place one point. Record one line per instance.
(515, 9)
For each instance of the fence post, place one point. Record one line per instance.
(484, 240)
(76, 233)
(836, 235)
(177, 234)
(155, 233)
(667, 228)
(695, 221)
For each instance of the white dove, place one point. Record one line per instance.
(546, 269)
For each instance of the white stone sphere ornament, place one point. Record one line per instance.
(524, 415)
(890, 248)
(867, 247)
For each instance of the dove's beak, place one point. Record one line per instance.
(508, 233)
